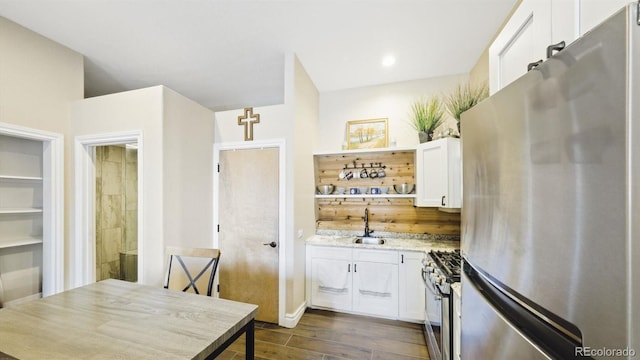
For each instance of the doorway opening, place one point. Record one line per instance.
(108, 235)
(116, 209)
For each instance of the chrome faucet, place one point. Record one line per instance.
(367, 232)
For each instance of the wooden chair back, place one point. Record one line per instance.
(191, 269)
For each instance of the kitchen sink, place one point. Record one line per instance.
(369, 241)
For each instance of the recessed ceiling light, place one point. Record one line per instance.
(388, 60)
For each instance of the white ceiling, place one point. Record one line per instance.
(230, 54)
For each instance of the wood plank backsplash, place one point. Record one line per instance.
(386, 214)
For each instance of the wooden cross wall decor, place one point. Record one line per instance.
(247, 120)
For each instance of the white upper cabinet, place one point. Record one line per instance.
(523, 40)
(592, 12)
(438, 174)
(534, 26)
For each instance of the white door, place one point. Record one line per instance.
(375, 288)
(523, 40)
(411, 287)
(249, 228)
(331, 283)
(593, 12)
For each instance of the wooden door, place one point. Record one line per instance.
(248, 219)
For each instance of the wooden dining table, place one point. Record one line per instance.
(114, 319)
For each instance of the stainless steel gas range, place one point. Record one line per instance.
(440, 270)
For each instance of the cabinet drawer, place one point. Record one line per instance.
(327, 252)
(381, 256)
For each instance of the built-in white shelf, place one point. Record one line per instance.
(27, 178)
(346, 196)
(20, 211)
(20, 242)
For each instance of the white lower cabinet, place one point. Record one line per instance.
(331, 277)
(411, 287)
(375, 282)
(383, 283)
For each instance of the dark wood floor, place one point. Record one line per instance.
(325, 335)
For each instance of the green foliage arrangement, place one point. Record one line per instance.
(427, 115)
(464, 97)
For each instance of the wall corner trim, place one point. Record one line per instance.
(292, 319)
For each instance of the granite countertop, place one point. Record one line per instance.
(391, 243)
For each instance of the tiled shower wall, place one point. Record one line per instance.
(116, 212)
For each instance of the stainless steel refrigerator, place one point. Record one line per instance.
(551, 206)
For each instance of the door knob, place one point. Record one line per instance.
(272, 244)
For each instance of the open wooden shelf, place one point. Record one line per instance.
(347, 196)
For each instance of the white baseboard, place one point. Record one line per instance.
(22, 300)
(291, 320)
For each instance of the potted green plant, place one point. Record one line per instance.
(426, 116)
(464, 97)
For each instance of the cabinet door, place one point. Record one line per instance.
(331, 283)
(411, 287)
(593, 12)
(572, 19)
(523, 40)
(431, 173)
(375, 288)
(438, 174)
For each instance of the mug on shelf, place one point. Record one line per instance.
(374, 190)
(353, 191)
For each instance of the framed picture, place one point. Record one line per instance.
(367, 134)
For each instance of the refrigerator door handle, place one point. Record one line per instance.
(555, 47)
(555, 336)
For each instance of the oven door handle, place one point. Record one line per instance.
(427, 284)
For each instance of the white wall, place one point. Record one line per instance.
(188, 172)
(137, 110)
(305, 123)
(177, 158)
(38, 79)
(392, 101)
